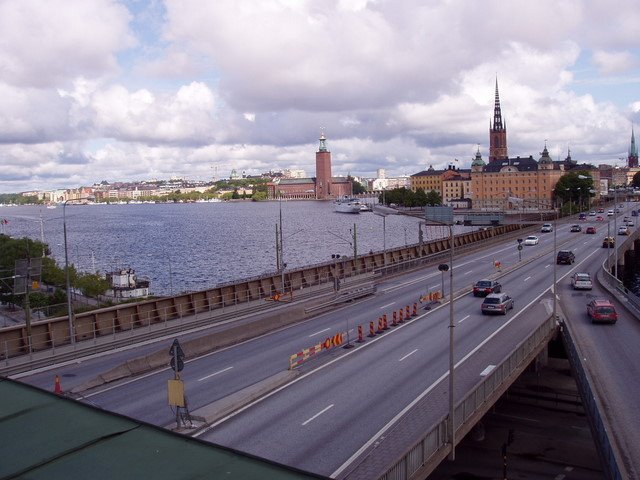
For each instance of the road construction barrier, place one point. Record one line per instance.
(400, 316)
(407, 312)
(497, 265)
(415, 310)
(372, 331)
(394, 321)
(360, 335)
(57, 388)
(385, 325)
(304, 355)
(380, 329)
(430, 297)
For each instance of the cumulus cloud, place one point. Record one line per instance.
(105, 89)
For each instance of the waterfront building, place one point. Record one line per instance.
(323, 186)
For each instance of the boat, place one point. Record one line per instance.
(124, 283)
(346, 205)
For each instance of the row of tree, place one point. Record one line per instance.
(408, 198)
(51, 291)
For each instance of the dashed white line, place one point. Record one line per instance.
(387, 305)
(467, 273)
(528, 278)
(408, 354)
(464, 318)
(433, 286)
(318, 333)
(547, 266)
(317, 415)
(214, 374)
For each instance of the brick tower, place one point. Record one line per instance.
(497, 133)
(323, 170)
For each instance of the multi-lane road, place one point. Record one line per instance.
(343, 402)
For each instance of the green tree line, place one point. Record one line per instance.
(408, 198)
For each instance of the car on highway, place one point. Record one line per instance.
(590, 230)
(592, 213)
(634, 213)
(565, 256)
(610, 213)
(485, 287)
(600, 310)
(582, 216)
(581, 281)
(546, 228)
(628, 222)
(623, 230)
(496, 303)
(576, 228)
(608, 242)
(599, 218)
(601, 210)
(531, 240)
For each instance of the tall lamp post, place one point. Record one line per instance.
(72, 335)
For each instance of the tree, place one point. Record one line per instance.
(635, 181)
(92, 284)
(420, 197)
(571, 188)
(433, 198)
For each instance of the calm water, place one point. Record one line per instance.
(186, 247)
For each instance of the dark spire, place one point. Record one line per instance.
(323, 141)
(632, 160)
(497, 112)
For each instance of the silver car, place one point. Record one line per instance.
(497, 303)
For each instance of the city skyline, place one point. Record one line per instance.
(104, 90)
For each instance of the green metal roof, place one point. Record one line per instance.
(46, 436)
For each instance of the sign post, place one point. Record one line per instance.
(175, 386)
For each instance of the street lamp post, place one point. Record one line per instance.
(452, 431)
(72, 336)
(555, 265)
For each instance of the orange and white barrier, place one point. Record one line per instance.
(372, 330)
(304, 355)
(415, 310)
(360, 335)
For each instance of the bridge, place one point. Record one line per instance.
(406, 442)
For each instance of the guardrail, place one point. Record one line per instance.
(245, 296)
(591, 404)
(615, 285)
(424, 456)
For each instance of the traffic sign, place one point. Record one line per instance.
(177, 356)
(519, 247)
(180, 365)
(176, 349)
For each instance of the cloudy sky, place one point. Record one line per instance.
(94, 90)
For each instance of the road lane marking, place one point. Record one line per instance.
(464, 318)
(467, 273)
(408, 354)
(527, 279)
(387, 305)
(214, 374)
(433, 286)
(547, 266)
(317, 415)
(318, 333)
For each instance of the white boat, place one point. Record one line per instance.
(346, 205)
(124, 283)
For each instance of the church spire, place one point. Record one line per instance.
(497, 132)
(632, 160)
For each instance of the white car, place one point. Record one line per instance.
(629, 223)
(581, 281)
(610, 213)
(592, 213)
(531, 240)
(546, 227)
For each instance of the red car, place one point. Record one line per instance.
(590, 230)
(599, 218)
(602, 311)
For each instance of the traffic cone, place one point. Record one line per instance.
(57, 388)
(372, 332)
(407, 312)
(360, 335)
(415, 309)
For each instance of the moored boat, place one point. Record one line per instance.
(346, 205)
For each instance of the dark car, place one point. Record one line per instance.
(496, 303)
(576, 228)
(565, 256)
(485, 287)
(602, 311)
(590, 230)
(608, 242)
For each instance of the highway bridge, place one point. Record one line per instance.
(381, 408)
